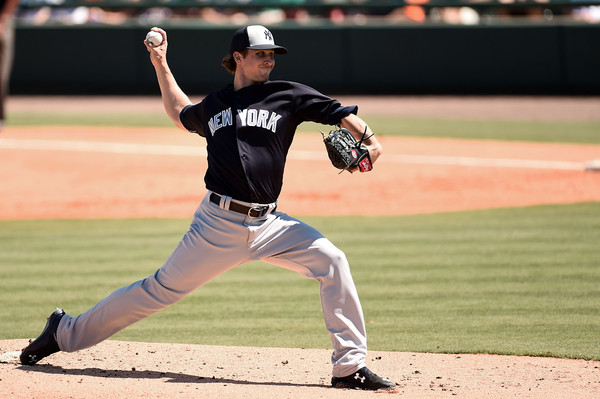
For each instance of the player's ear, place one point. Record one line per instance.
(237, 56)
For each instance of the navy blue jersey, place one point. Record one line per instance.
(249, 131)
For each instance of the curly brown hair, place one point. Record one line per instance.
(229, 63)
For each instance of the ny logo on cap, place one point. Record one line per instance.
(268, 35)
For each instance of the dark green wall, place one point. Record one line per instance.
(401, 60)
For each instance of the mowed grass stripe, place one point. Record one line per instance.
(520, 281)
(581, 132)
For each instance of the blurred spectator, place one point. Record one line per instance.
(589, 14)
(456, 15)
(303, 12)
(155, 16)
(415, 13)
(6, 50)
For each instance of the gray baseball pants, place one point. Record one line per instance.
(218, 240)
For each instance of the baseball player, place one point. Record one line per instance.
(248, 126)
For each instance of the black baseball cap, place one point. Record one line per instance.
(254, 37)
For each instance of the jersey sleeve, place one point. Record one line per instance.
(191, 118)
(314, 106)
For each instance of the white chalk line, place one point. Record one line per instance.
(103, 147)
(487, 162)
(161, 149)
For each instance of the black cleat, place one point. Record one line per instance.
(363, 379)
(45, 344)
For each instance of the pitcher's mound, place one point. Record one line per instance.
(115, 369)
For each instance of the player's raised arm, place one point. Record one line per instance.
(174, 99)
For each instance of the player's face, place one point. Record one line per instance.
(257, 65)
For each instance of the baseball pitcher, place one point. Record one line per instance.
(248, 127)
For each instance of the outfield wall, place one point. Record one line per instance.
(557, 59)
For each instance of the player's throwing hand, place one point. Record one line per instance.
(157, 51)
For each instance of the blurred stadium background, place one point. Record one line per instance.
(337, 46)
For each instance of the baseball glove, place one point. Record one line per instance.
(345, 152)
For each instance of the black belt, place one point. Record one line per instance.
(253, 212)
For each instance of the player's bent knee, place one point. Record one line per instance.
(331, 259)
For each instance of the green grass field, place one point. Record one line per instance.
(521, 281)
(581, 132)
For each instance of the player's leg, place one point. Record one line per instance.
(294, 245)
(213, 245)
(6, 60)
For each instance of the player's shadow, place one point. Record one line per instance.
(150, 374)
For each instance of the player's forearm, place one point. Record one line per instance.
(174, 99)
(357, 126)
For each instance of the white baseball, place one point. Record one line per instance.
(154, 37)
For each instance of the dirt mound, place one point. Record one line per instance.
(116, 369)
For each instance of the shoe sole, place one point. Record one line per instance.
(346, 385)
